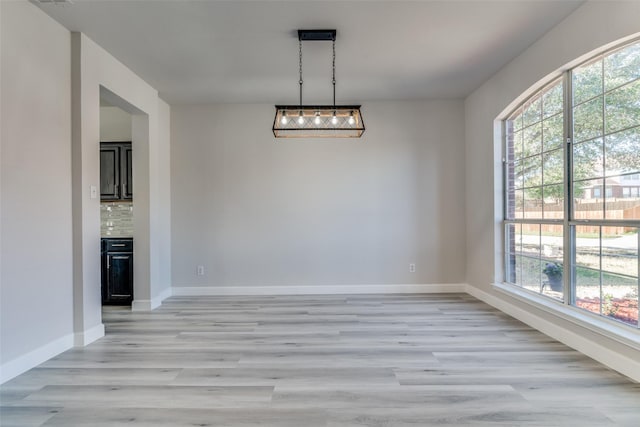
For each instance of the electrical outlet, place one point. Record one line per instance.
(200, 270)
(412, 268)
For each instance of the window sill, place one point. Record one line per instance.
(626, 335)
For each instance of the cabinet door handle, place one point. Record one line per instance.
(108, 262)
(117, 244)
(120, 257)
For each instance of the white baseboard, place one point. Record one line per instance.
(153, 303)
(144, 305)
(164, 295)
(625, 365)
(85, 338)
(317, 290)
(17, 366)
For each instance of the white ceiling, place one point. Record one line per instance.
(211, 51)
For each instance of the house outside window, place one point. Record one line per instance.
(570, 225)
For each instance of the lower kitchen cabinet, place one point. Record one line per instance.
(117, 271)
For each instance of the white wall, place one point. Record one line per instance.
(36, 245)
(115, 125)
(97, 74)
(162, 174)
(593, 25)
(256, 211)
(50, 246)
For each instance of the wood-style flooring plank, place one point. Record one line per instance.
(320, 361)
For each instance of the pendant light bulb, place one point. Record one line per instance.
(351, 119)
(284, 120)
(300, 118)
(334, 119)
(317, 118)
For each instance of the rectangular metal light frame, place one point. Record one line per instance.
(323, 114)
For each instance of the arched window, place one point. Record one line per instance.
(572, 153)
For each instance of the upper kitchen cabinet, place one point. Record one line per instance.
(126, 178)
(116, 167)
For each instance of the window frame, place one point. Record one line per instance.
(569, 222)
(559, 79)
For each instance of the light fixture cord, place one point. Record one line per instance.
(300, 68)
(334, 73)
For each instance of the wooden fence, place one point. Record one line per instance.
(616, 209)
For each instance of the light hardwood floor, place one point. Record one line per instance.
(307, 361)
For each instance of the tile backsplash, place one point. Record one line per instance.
(116, 219)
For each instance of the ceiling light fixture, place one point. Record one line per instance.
(318, 121)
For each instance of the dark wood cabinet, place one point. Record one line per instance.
(126, 176)
(117, 271)
(109, 172)
(116, 166)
